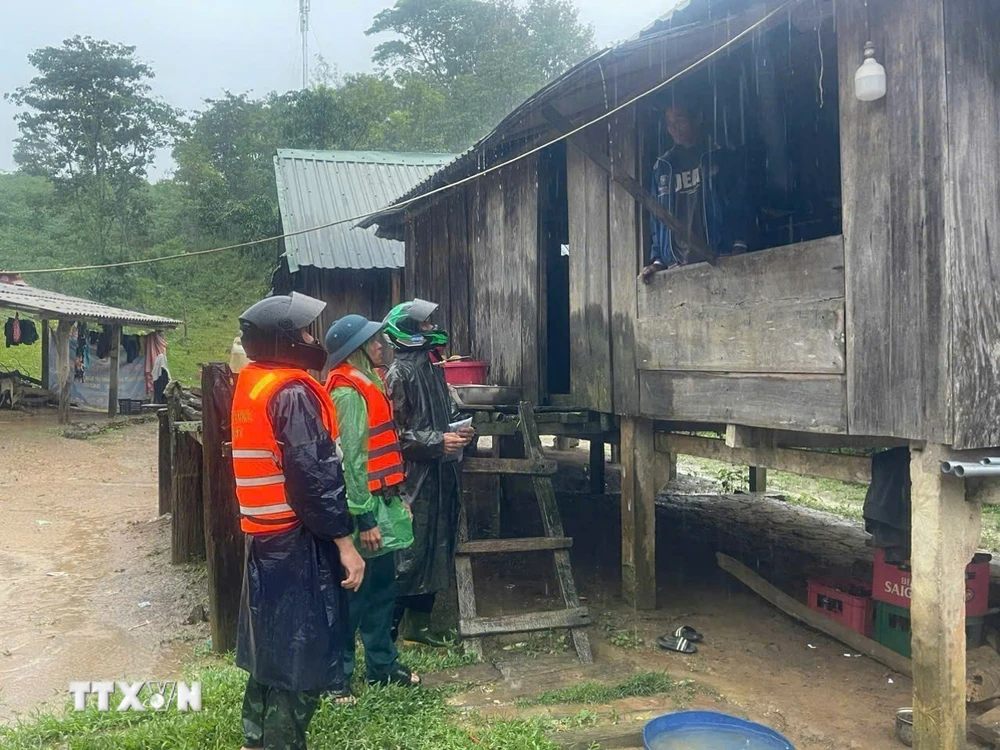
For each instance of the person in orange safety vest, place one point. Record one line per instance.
(374, 472)
(300, 559)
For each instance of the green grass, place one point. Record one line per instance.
(641, 684)
(383, 718)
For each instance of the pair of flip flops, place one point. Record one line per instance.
(682, 641)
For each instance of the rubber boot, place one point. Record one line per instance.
(417, 629)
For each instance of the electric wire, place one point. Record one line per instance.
(436, 191)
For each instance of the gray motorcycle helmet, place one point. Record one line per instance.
(271, 331)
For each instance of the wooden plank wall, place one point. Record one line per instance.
(972, 215)
(758, 340)
(775, 311)
(892, 155)
(346, 291)
(624, 266)
(503, 296)
(589, 287)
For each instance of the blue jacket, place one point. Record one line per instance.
(726, 203)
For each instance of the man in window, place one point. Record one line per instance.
(702, 185)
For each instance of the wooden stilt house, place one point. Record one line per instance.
(866, 314)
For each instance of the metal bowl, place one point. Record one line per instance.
(487, 395)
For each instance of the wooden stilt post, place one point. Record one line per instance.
(945, 533)
(597, 466)
(64, 368)
(223, 537)
(758, 479)
(166, 468)
(46, 354)
(644, 473)
(116, 345)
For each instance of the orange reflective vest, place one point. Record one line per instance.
(260, 483)
(385, 459)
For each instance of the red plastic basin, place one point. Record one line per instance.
(465, 372)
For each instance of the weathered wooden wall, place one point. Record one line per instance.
(756, 340)
(476, 254)
(892, 154)
(589, 283)
(345, 291)
(972, 217)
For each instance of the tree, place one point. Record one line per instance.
(92, 127)
(484, 56)
(224, 163)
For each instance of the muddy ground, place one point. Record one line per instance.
(81, 553)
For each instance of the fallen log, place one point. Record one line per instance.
(815, 620)
(776, 533)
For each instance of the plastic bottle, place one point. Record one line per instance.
(238, 356)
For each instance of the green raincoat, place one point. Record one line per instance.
(368, 510)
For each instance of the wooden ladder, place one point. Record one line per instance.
(573, 616)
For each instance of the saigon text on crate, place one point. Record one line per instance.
(847, 601)
(892, 584)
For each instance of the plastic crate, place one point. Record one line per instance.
(892, 584)
(130, 407)
(847, 601)
(892, 628)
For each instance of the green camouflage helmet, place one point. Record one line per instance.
(402, 326)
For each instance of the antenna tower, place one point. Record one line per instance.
(304, 28)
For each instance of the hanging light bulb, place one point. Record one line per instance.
(869, 81)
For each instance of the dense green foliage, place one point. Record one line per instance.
(90, 126)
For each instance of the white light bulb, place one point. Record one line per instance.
(869, 81)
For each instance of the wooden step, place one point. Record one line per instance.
(560, 618)
(526, 544)
(526, 466)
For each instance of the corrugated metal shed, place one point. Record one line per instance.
(60, 306)
(317, 187)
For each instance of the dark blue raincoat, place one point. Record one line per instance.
(293, 611)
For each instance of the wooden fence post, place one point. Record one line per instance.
(165, 463)
(223, 537)
(187, 524)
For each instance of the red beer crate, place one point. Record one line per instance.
(892, 584)
(847, 601)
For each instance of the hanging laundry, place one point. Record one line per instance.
(29, 333)
(154, 346)
(161, 377)
(887, 504)
(133, 348)
(83, 348)
(19, 332)
(104, 343)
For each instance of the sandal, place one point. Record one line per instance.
(689, 634)
(676, 643)
(344, 697)
(398, 675)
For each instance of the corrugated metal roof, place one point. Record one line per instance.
(317, 187)
(54, 305)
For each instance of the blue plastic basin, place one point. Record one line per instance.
(711, 731)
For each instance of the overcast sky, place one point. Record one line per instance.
(199, 48)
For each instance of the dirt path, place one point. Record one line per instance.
(80, 549)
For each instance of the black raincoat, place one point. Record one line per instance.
(293, 612)
(423, 410)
